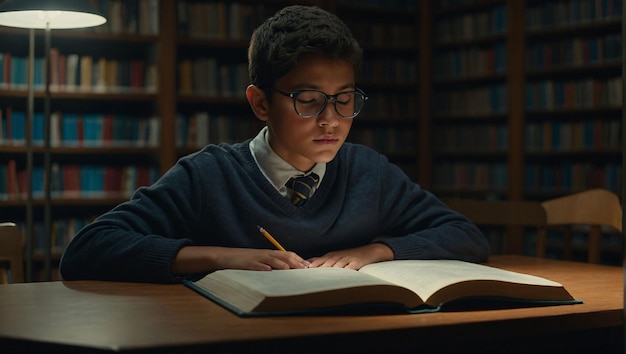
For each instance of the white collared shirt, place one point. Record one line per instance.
(274, 168)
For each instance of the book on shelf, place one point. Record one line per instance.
(139, 17)
(405, 286)
(75, 180)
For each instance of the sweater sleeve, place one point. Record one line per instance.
(138, 239)
(420, 226)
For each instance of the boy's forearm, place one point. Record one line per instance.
(194, 259)
(202, 259)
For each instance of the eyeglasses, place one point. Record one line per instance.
(310, 103)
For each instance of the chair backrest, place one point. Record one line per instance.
(598, 209)
(12, 250)
(515, 216)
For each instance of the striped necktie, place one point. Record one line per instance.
(301, 188)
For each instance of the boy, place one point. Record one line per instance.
(204, 213)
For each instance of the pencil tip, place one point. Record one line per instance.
(259, 227)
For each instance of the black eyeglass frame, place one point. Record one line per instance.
(294, 96)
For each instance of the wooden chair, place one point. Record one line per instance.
(514, 216)
(596, 210)
(11, 253)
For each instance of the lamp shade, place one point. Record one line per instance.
(53, 14)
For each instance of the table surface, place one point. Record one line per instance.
(113, 316)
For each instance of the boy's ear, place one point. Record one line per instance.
(258, 102)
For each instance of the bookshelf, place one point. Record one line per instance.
(387, 31)
(555, 69)
(573, 106)
(105, 123)
(212, 73)
(470, 99)
(527, 98)
(573, 97)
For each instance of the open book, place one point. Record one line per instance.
(405, 285)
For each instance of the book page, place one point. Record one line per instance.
(290, 282)
(299, 289)
(425, 277)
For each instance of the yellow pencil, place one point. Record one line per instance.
(270, 238)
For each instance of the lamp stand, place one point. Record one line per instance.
(29, 155)
(46, 156)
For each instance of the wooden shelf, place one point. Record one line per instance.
(517, 77)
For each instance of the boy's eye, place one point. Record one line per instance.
(307, 101)
(310, 97)
(345, 98)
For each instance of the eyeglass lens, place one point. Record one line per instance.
(311, 103)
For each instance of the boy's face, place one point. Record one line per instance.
(302, 142)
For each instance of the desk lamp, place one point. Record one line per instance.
(46, 15)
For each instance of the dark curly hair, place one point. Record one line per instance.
(292, 33)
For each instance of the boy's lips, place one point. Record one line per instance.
(326, 140)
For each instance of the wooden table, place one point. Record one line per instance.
(96, 316)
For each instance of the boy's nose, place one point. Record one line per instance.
(328, 116)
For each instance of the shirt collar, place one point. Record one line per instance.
(274, 168)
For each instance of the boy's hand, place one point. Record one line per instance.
(258, 259)
(198, 259)
(353, 258)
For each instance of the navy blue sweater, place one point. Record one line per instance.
(218, 196)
